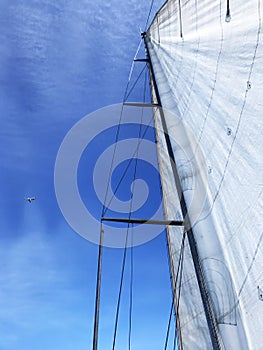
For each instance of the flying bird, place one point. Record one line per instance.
(30, 199)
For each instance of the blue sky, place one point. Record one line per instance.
(60, 61)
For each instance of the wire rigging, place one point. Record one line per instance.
(98, 287)
(126, 244)
(169, 325)
(118, 130)
(131, 205)
(175, 339)
(119, 294)
(126, 95)
(128, 166)
(131, 70)
(150, 10)
(179, 274)
(131, 293)
(104, 208)
(134, 84)
(132, 65)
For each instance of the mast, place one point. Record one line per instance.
(207, 304)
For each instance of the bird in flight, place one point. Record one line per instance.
(30, 199)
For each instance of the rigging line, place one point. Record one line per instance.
(96, 318)
(121, 281)
(134, 84)
(124, 260)
(131, 256)
(178, 273)
(112, 161)
(127, 167)
(98, 288)
(181, 272)
(131, 293)
(118, 130)
(144, 90)
(130, 211)
(132, 65)
(131, 267)
(146, 24)
(131, 71)
(173, 280)
(120, 291)
(169, 325)
(104, 208)
(175, 339)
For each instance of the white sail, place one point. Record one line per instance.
(208, 66)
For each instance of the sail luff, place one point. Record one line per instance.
(211, 320)
(168, 228)
(168, 231)
(212, 80)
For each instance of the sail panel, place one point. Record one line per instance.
(209, 75)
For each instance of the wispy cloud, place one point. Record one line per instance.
(37, 296)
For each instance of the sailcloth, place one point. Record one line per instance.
(207, 58)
